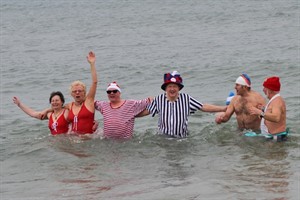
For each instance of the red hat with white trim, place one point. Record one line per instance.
(113, 86)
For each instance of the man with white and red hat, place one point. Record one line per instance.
(273, 116)
(173, 107)
(119, 114)
(240, 104)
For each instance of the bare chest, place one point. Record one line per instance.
(242, 106)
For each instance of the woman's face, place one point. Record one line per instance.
(56, 102)
(172, 90)
(78, 93)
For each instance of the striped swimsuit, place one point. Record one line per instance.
(119, 122)
(173, 116)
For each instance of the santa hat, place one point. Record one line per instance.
(113, 86)
(272, 83)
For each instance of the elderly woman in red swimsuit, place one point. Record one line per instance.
(82, 109)
(58, 123)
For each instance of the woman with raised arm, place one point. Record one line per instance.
(58, 123)
(82, 109)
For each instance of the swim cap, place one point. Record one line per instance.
(244, 79)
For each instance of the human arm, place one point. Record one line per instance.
(273, 114)
(46, 111)
(29, 111)
(145, 111)
(213, 108)
(225, 116)
(95, 126)
(91, 58)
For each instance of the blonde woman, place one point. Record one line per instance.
(82, 109)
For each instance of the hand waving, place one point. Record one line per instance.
(91, 58)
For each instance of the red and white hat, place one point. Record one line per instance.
(113, 86)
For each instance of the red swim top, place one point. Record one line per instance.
(59, 126)
(83, 122)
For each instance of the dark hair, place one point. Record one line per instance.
(58, 93)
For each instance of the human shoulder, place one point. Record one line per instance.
(278, 101)
(100, 101)
(254, 96)
(235, 99)
(66, 110)
(160, 96)
(259, 98)
(254, 93)
(185, 95)
(131, 101)
(68, 106)
(99, 104)
(49, 114)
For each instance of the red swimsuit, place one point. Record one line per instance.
(59, 126)
(83, 122)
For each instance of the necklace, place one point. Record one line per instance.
(56, 115)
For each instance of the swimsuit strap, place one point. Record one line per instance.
(276, 95)
(75, 122)
(263, 127)
(75, 119)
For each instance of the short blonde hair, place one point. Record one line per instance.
(77, 83)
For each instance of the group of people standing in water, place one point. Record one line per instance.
(172, 107)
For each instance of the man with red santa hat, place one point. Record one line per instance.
(273, 116)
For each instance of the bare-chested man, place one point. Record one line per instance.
(241, 103)
(274, 114)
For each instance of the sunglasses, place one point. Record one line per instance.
(111, 91)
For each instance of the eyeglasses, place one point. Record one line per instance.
(75, 91)
(111, 91)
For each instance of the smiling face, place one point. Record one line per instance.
(172, 91)
(114, 96)
(56, 102)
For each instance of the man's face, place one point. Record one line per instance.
(240, 89)
(113, 95)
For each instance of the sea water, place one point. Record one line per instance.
(43, 49)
